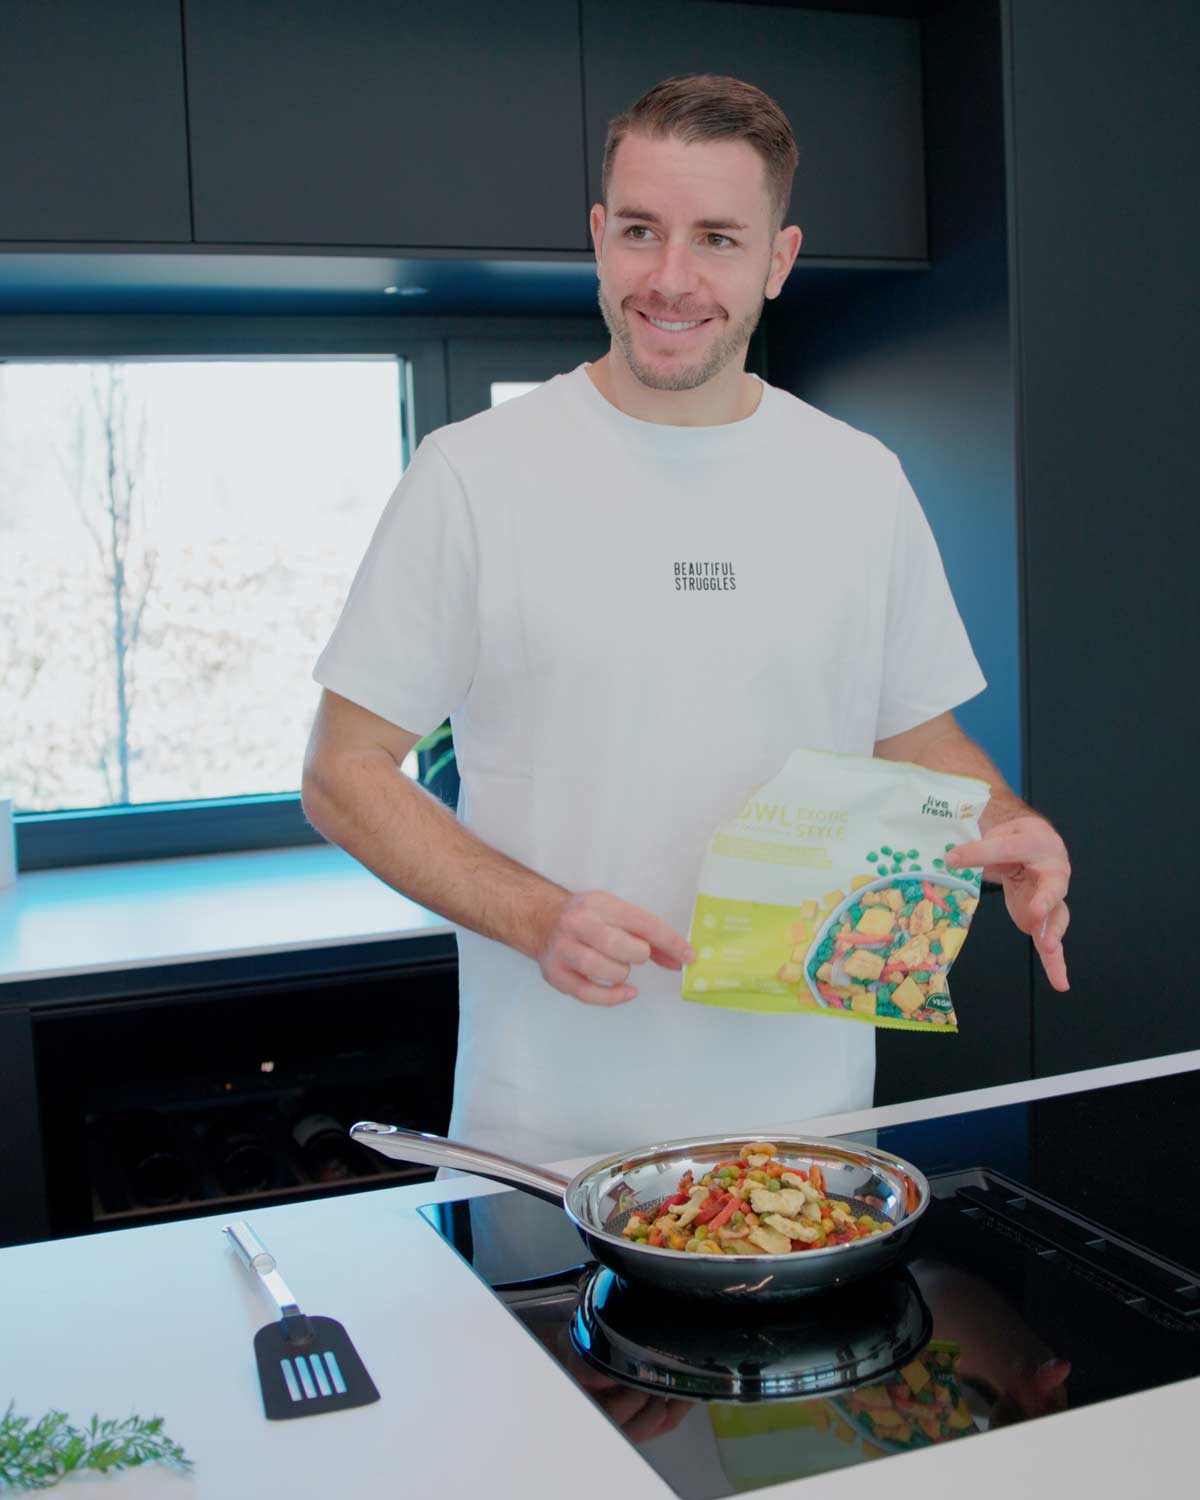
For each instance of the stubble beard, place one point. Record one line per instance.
(680, 376)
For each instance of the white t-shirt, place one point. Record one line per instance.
(630, 626)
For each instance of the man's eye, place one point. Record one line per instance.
(713, 236)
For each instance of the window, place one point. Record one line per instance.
(178, 539)
(505, 390)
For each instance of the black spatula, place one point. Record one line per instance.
(306, 1365)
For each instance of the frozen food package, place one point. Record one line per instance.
(828, 894)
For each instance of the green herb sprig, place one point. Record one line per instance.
(36, 1455)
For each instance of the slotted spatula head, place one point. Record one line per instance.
(305, 1365)
(304, 1378)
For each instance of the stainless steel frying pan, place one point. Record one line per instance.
(600, 1199)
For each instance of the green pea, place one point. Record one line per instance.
(939, 864)
(914, 854)
(914, 867)
(885, 849)
(872, 859)
(702, 1231)
(950, 846)
(774, 1185)
(739, 1217)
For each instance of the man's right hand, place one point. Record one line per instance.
(591, 941)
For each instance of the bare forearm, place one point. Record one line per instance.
(957, 753)
(365, 804)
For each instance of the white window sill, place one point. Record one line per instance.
(92, 918)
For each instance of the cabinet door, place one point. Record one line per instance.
(850, 86)
(451, 125)
(93, 142)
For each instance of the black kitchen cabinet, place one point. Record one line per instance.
(850, 86)
(168, 1092)
(93, 136)
(458, 124)
(990, 988)
(1105, 123)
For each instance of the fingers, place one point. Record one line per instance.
(662, 937)
(583, 959)
(598, 938)
(597, 994)
(660, 1415)
(1029, 842)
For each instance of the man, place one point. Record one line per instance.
(635, 590)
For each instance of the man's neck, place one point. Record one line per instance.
(747, 394)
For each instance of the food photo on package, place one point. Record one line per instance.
(829, 894)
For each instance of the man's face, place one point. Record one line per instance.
(680, 269)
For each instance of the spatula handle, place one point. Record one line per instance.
(250, 1247)
(259, 1259)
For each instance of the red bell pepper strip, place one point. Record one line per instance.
(863, 940)
(929, 896)
(726, 1214)
(671, 1202)
(710, 1210)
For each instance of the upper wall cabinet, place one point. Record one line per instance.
(93, 139)
(458, 124)
(850, 86)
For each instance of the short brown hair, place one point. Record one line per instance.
(710, 107)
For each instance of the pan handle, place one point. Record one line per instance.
(437, 1151)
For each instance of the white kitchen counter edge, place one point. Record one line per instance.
(471, 1403)
(90, 919)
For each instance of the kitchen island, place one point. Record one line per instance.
(160, 1320)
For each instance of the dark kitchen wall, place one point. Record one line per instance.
(1105, 162)
(922, 360)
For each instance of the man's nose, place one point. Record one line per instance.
(673, 275)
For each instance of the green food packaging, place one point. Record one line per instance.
(828, 894)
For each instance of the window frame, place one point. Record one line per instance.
(94, 836)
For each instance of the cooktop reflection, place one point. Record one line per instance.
(1031, 1286)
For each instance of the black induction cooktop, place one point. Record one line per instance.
(1058, 1265)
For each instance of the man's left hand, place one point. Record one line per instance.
(1030, 860)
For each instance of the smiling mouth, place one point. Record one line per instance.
(677, 333)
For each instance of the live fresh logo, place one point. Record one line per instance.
(936, 808)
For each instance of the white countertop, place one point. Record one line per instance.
(97, 918)
(161, 1321)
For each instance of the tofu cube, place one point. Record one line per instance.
(876, 921)
(864, 1004)
(863, 964)
(915, 1376)
(858, 881)
(952, 942)
(832, 899)
(807, 911)
(908, 997)
(922, 917)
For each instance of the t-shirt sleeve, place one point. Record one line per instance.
(407, 641)
(928, 664)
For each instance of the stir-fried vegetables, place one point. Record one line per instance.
(753, 1205)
